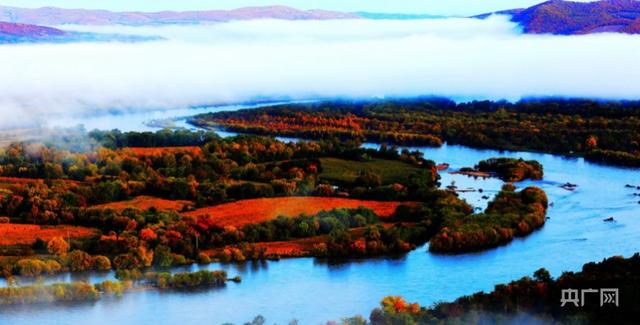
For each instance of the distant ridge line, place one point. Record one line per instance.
(61, 16)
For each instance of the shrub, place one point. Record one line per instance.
(30, 267)
(101, 263)
(58, 246)
(204, 258)
(39, 244)
(79, 261)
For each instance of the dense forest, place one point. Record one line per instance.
(607, 132)
(510, 214)
(49, 192)
(532, 300)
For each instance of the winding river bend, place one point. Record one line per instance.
(314, 291)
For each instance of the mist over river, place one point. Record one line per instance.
(314, 291)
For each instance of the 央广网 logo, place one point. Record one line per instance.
(608, 296)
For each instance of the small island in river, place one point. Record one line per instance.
(507, 169)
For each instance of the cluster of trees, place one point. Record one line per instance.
(509, 214)
(374, 240)
(512, 169)
(59, 292)
(60, 259)
(307, 125)
(343, 232)
(600, 131)
(115, 139)
(537, 297)
(325, 222)
(177, 281)
(82, 291)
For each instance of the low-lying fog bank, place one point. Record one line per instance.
(242, 61)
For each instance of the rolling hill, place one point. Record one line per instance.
(575, 18)
(14, 33)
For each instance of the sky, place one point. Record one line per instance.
(436, 7)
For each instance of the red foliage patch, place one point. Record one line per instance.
(20, 234)
(245, 212)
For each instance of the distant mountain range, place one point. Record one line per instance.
(575, 18)
(551, 17)
(13, 33)
(59, 16)
(26, 30)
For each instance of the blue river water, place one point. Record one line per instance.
(314, 291)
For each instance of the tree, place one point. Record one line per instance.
(592, 142)
(162, 256)
(542, 275)
(368, 179)
(259, 320)
(147, 234)
(101, 263)
(57, 246)
(80, 261)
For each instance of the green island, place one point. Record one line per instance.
(600, 131)
(507, 169)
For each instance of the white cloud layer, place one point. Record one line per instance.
(238, 61)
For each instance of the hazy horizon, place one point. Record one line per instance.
(434, 7)
(244, 60)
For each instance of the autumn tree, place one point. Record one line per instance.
(591, 142)
(80, 261)
(101, 263)
(57, 246)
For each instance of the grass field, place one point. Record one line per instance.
(346, 171)
(245, 212)
(19, 234)
(144, 203)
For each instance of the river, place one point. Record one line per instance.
(314, 291)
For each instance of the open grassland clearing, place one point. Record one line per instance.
(244, 212)
(346, 171)
(20, 234)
